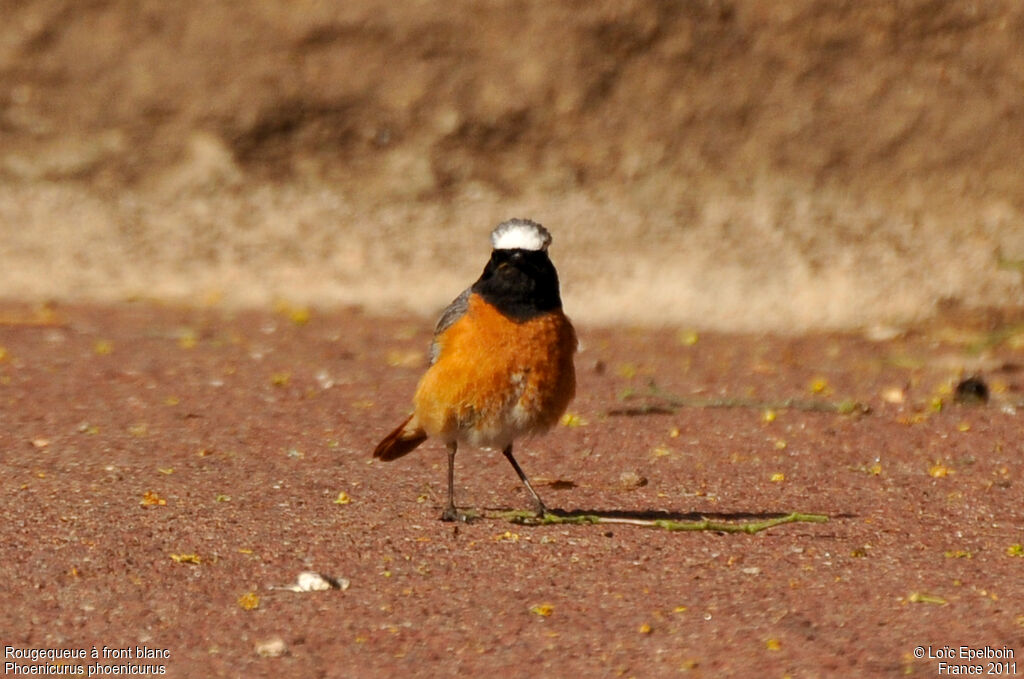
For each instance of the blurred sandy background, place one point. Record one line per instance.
(736, 165)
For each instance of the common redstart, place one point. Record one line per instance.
(501, 362)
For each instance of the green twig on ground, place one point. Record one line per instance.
(666, 402)
(716, 526)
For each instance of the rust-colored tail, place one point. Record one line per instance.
(401, 441)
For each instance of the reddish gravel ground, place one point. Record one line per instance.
(166, 471)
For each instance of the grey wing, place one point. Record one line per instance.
(452, 313)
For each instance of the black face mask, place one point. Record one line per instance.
(521, 284)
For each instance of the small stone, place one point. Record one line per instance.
(309, 581)
(271, 648)
(894, 395)
(632, 479)
(312, 582)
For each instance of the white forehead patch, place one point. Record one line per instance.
(520, 234)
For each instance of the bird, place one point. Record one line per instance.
(501, 360)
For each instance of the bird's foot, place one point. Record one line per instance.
(450, 513)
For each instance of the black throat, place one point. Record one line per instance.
(521, 284)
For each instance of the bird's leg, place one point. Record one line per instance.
(538, 503)
(450, 513)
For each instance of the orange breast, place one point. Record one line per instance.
(495, 379)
